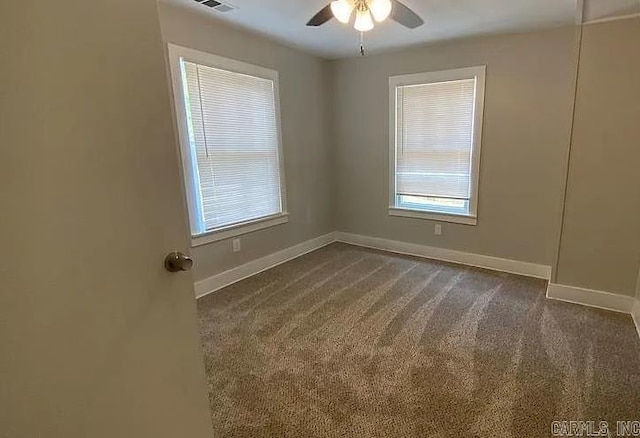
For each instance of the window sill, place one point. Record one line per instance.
(441, 217)
(239, 229)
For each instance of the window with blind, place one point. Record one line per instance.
(230, 140)
(436, 129)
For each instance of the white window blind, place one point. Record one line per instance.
(435, 143)
(234, 146)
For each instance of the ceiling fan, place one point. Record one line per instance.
(342, 10)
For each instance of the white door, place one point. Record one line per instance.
(96, 338)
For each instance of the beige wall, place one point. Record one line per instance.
(305, 96)
(529, 95)
(601, 232)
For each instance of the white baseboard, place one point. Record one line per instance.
(254, 267)
(591, 298)
(216, 282)
(635, 314)
(448, 255)
(571, 294)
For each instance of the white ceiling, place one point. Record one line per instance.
(599, 9)
(285, 20)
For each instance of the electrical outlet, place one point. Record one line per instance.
(236, 245)
(438, 230)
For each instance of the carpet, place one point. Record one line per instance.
(347, 342)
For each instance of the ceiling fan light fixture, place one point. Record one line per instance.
(363, 23)
(381, 9)
(342, 10)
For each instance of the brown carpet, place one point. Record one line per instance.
(347, 342)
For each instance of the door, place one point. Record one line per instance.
(97, 339)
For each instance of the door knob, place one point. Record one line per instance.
(177, 261)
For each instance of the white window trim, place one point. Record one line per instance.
(434, 216)
(176, 53)
(230, 231)
(478, 72)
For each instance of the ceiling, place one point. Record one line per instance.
(602, 9)
(284, 20)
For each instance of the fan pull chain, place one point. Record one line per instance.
(362, 51)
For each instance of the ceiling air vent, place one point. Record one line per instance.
(217, 5)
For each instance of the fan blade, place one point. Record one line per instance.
(321, 17)
(405, 16)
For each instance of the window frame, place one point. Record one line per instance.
(477, 72)
(176, 54)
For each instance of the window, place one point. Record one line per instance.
(228, 120)
(436, 128)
